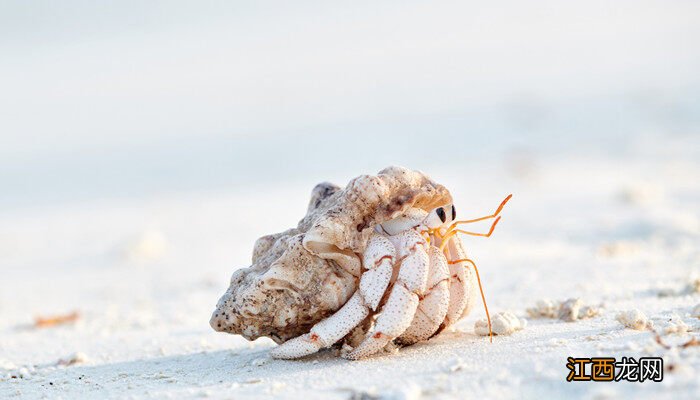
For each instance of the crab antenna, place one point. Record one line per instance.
(445, 239)
(452, 231)
(493, 226)
(481, 290)
(469, 221)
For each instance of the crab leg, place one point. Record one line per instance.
(462, 283)
(398, 311)
(326, 332)
(379, 258)
(432, 308)
(459, 255)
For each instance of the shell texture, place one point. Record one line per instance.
(302, 275)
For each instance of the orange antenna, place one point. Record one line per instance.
(451, 232)
(493, 226)
(494, 215)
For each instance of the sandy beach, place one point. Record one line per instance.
(144, 280)
(145, 146)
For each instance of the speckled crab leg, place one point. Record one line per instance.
(462, 283)
(326, 332)
(432, 307)
(398, 311)
(458, 254)
(379, 258)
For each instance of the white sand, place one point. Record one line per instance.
(145, 276)
(587, 112)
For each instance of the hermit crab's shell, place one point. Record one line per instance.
(302, 275)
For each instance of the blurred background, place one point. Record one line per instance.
(144, 146)
(124, 99)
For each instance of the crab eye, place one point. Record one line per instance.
(441, 213)
(454, 213)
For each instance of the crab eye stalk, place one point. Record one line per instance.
(454, 213)
(441, 213)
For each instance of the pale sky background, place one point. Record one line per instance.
(130, 98)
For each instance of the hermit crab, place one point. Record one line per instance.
(376, 264)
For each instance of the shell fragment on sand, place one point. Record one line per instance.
(635, 319)
(503, 323)
(695, 313)
(568, 310)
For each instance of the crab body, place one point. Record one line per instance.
(372, 264)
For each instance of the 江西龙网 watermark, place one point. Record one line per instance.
(607, 369)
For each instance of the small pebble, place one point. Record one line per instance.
(568, 310)
(259, 362)
(675, 325)
(456, 365)
(75, 358)
(696, 311)
(634, 319)
(503, 323)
